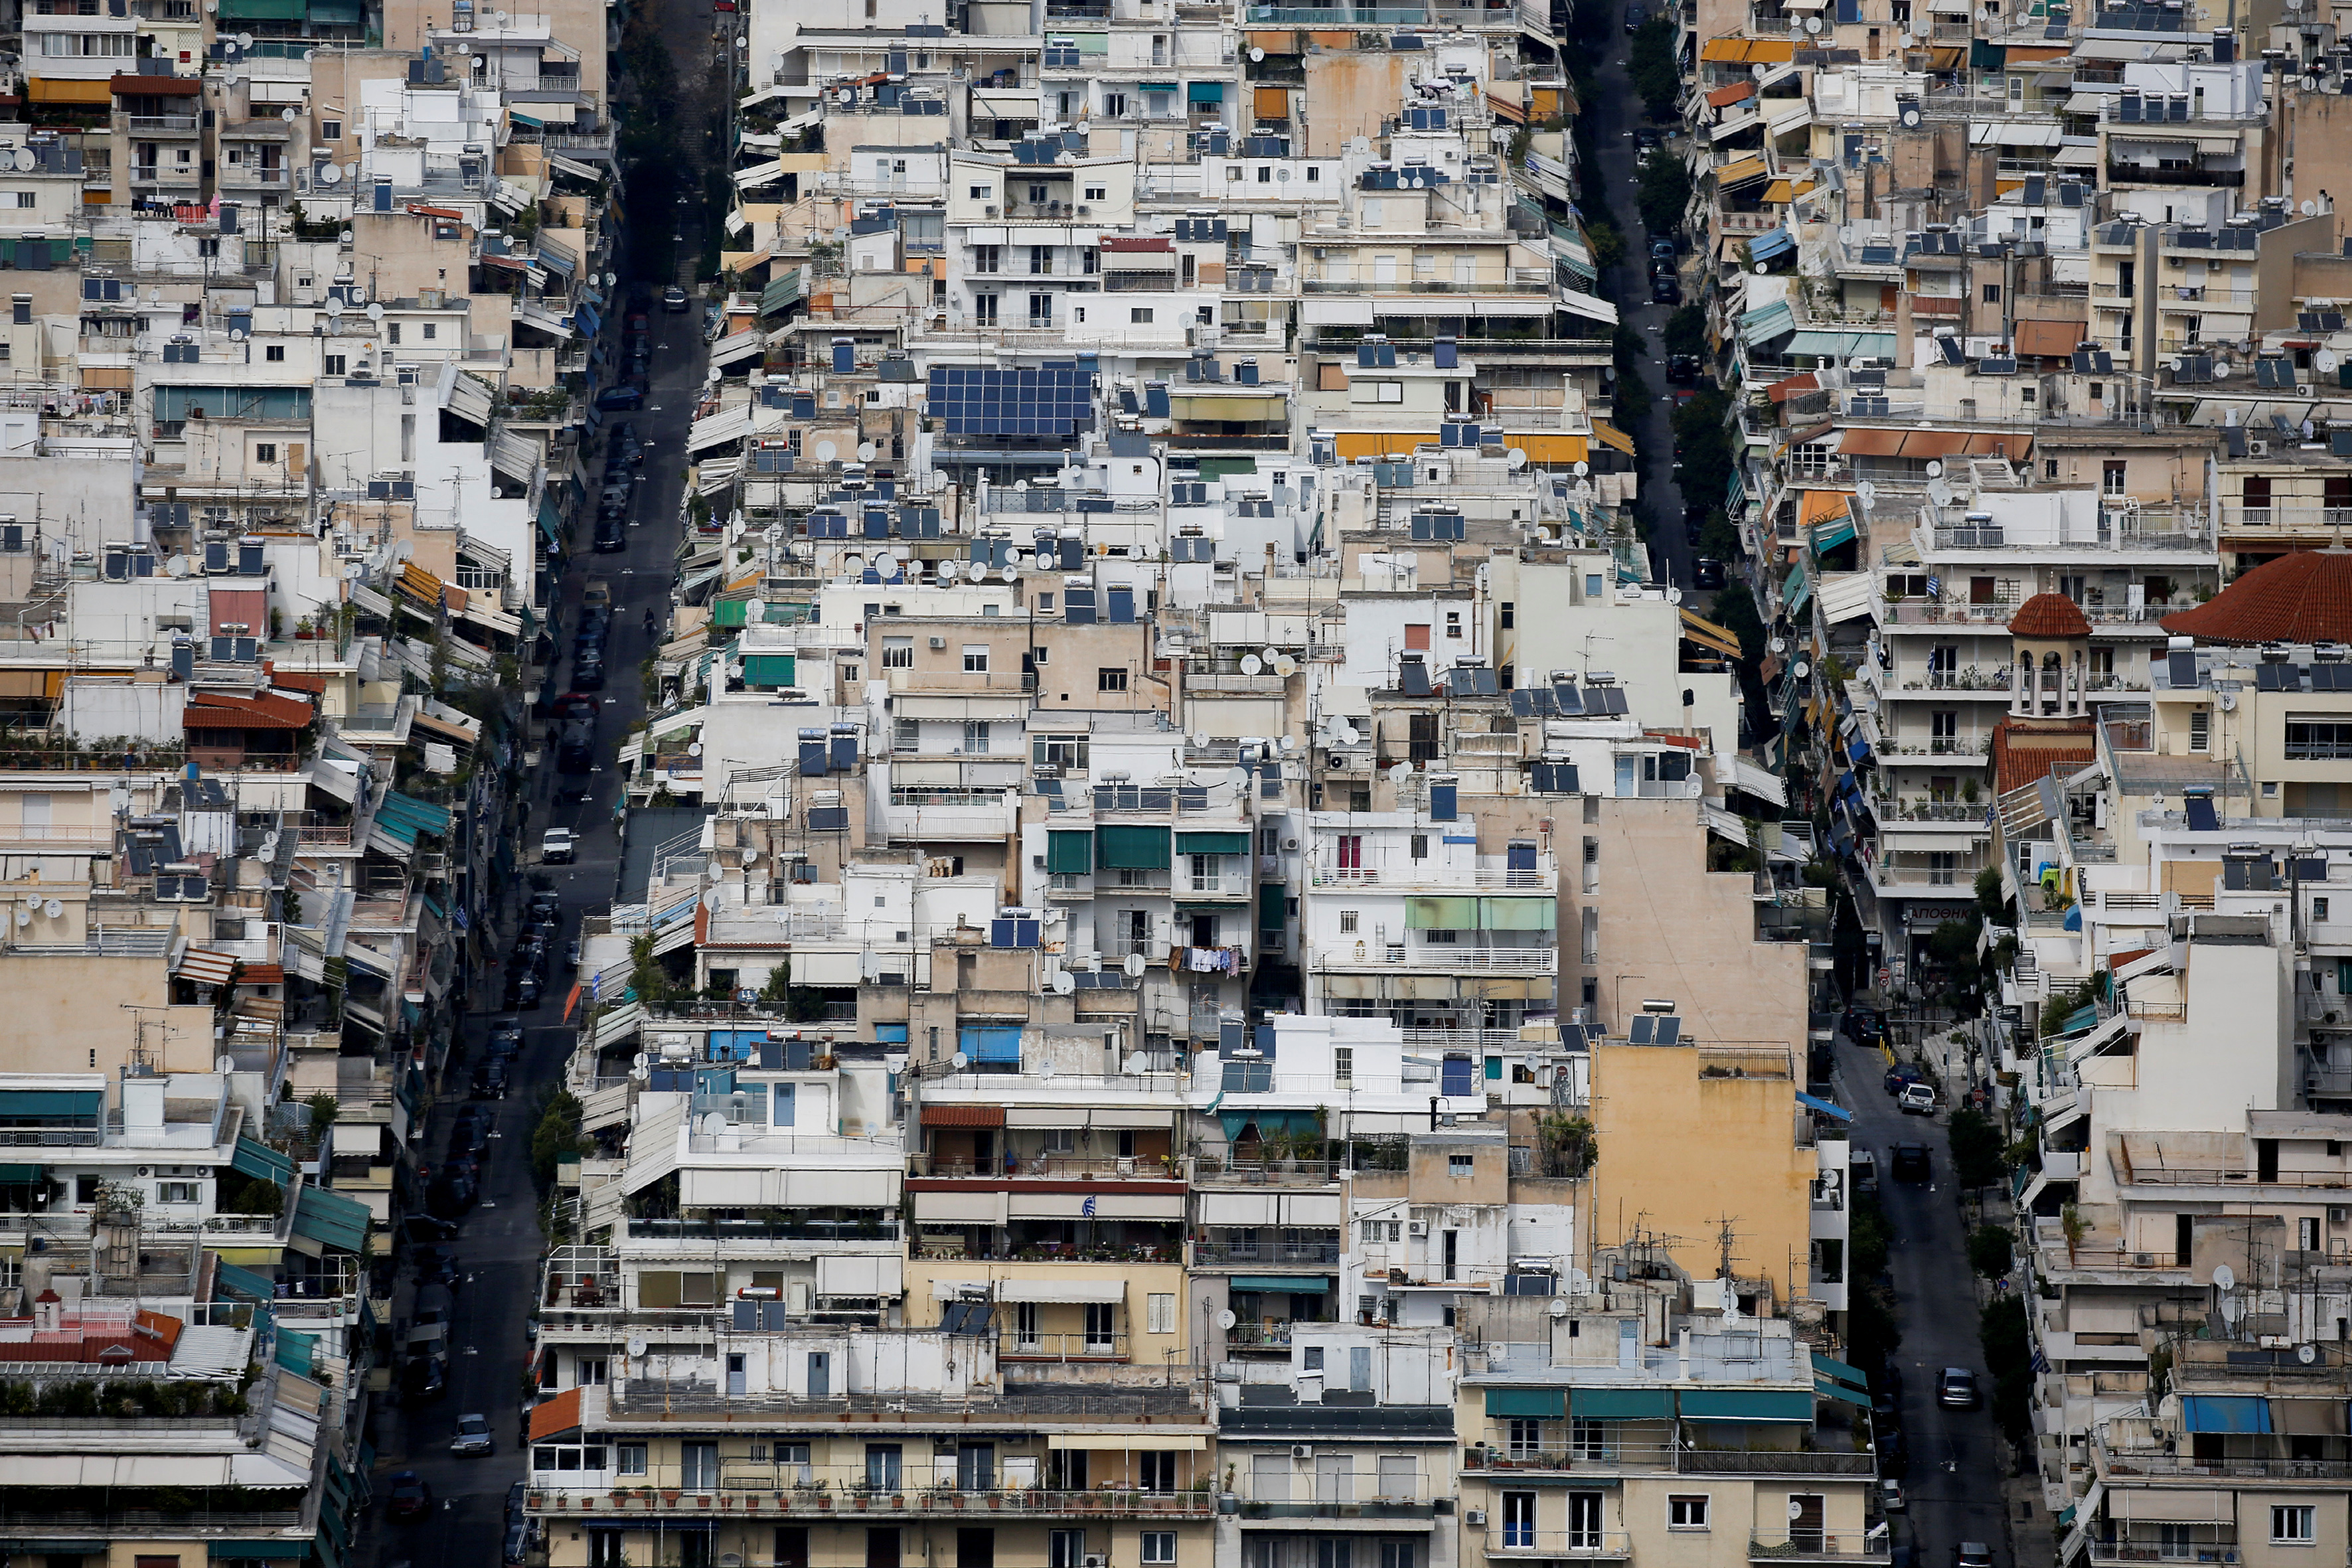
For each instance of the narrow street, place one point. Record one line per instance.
(499, 1247)
(1957, 1459)
(1614, 118)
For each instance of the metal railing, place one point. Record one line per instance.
(1209, 1250)
(1504, 1539)
(1013, 1345)
(1814, 1546)
(1399, 955)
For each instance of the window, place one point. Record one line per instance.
(335, 365)
(190, 1192)
(2318, 740)
(1159, 1312)
(1992, 293)
(1111, 678)
(1343, 1065)
(1418, 846)
(1347, 918)
(1067, 752)
(275, 354)
(1138, 315)
(1040, 260)
(2111, 477)
(984, 308)
(1461, 1165)
(1453, 625)
(898, 653)
(883, 1467)
(594, 1371)
(975, 658)
(1687, 1512)
(392, 332)
(431, 332)
(979, 193)
(1507, 614)
(631, 1458)
(1388, 391)
(1206, 872)
(1519, 1519)
(1416, 637)
(265, 451)
(975, 737)
(2295, 1523)
(1158, 1547)
(2201, 730)
(1041, 309)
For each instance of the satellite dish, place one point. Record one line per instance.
(375, 313)
(636, 1344)
(2223, 369)
(1199, 739)
(1237, 778)
(1251, 665)
(2324, 361)
(1132, 966)
(225, 1064)
(465, 50)
(237, 335)
(947, 570)
(827, 451)
(1759, 70)
(1813, 24)
(1867, 491)
(328, 175)
(1559, 1308)
(1582, 469)
(2224, 1277)
(1778, 645)
(866, 451)
(714, 1124)
(959, 1061)
(53, 908)
(2232, 1308)
(1399, 772)
(2309, 207)
(2306, 1354)
(1762, 268)
(1936, 469)
(1257, 55)
(1360, 144)
(244, 40)
(1911, 118)
(1285, 666)
(1225, 1320)
(287, 114)
(1804, 669)
(694, 748)
(1516, 458)
(1062, 983)
(24, 917)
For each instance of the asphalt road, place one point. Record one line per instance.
(499, 1247)
(1614, 118)
(1957, 1459)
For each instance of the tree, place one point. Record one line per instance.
(1992, 899)
(1734, 612)
(1718, 539)
(1656, 73)
(1665, 192)
(1685, 331)
(1606, 241)
(2008, 1349)
(556, 1135)
(1978, 1156)
(1989, 1251)
(323, 1108)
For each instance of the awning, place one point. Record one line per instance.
(963, 1116)
(1707, 634)
(1069, 852)
(244, 1282)
(1839, 1391)
(1116, 1441)
(1529, 1403)
(558, 1415)
(1205, 92)
(1746, 1404)
(1296, 1284)
(1772, 242)
(332, 1219)
(1061, 1289)
(1739, 172)
(1824, 1107)
(1844, 345)
(1131, 848)
(1621, 1404)
(253, 1159)
(23, 1175)
(1829, 1366)
(1213, 844)
(2240, 1413)
(1766, 322)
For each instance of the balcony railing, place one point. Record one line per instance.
(1771, 1462)
(1274, 1173)
(1509, 1541)
(1013, 1345)
(1813, 1546)
(1051, 1168)
(630, 1495)
(1486, 960)
(1214, 1252)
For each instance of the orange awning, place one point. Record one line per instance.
(54, 89)
(1545, 446)
(2049, 340)
(1821, 506)
(1725, 97)
(558, 1414)
(1740, 170)
(1351, 444)
(1609, 436)
(1747, 51)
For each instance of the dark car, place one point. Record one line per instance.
(589, 677)
(621, 397)
(505, 1041)
(435, 1264)
(528, 990)
(1863, 1024)
(1635, 17)
(1682, 370)
(469, 1136)
(611, 539)
(451, 1197)
(424, 1233)
(1911, 1163)
(518, 1540)
(425, 1377)
(1972, 1554)
(639, 320)
(410, 1496)
(1902, 1074)
(1665, 291)
(674, 299)
(490, 1081)
(1707, 572)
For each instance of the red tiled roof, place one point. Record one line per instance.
(561, 1414)
(221, 711)
(2049, 615)
(1788, 386)
(1724, 97)
(2303, 597)
(2025, 750)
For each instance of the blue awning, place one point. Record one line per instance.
(1844, 1372)
(556, 262)
(2247, 1413)
(1206, 92)
(1797, 590)
(244, 1282)
(1839, 1391)
(332, 1219)
(1766, 322)
(551, 519)
(1770, 244)
(1829, 535)
(1824, 1107)
(519, 117)
(590, 321)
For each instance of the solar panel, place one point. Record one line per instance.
(974, 400)
(1670, 1030)
(2200, 814)
(1642, 1030)
(1573, 1035)
(2182, 668)
(1568, 699)
(1413, 677)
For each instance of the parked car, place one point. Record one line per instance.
(612, 537)
(1956, 1389)
(1890, 1494)
(621, 397)
(451, 1197)
(1973, 1554)
(1916, 1099)
(556, 846)
(1682, 369)
(1911, 1163)
(1707, 572)
(472, 1438)
(410, 1496)
(528, 990)
(490, 1081)
(1902, 1075)
(1863, 1025)
(674, 299)
(518, 1541)
(435, 1264)
(589, 677)
(1662, 249)
(1635, 15)
(1665, 291)
(506, 1039)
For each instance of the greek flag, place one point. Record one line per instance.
(1087, 1208)
(595, 986)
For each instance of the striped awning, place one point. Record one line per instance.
(202, 966)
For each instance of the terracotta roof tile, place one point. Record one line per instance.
(2049, 615)
(2025, 750)
(2303, 597)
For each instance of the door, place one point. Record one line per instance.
(1024, 1325)
(1351, 852)
(1452, 1251)
(1384, 270)
(881, 1546)
(1100, 1339)
(1805, 1512)
(1205, 931)
(976, 1468)
(736, 1381)
(975, 1548)
(1519, 1519)
(820, 1375)
(1270, 1477)
(1335, 1477)
(1399, 1478)
(1139, 931)
(1584, 1521)
(698, 1466)
(1359, 1368)
(1065, 1549)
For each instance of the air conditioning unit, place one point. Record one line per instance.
(2303, 390)
(938, 642)
(1474, 1518)
(1095, 1560)
(2339, 1214)
(1302, 1451)
(2257, 448)
(1418, 1227)
(991, 211)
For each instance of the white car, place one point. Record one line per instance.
(1916, 1099)
(556, 847)
(472, 1438)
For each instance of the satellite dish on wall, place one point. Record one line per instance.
(1063, 984)
(865, 450)
(287, 115)
(827, 451)
(959, 1061)
(636, 1344)
(53, 908)
(1132, 966)
(1250, 664)
(2224, 1277)
(1225, 1320)
(1813, 24)
(1256, 54)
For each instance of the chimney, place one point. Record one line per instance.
(48, 1312)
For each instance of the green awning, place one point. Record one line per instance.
(1796, 590)
(771, 669)
(1987, 57)
(1519, 914)
(1296, 1284)
(1528, 1404)
(244, 1282)
(1746, 1404)
(731, 613)
(1272, 906)
(1270, 1123)
(335, 12)
(1829, 1366)
(260, 1160)
(15, 1103)
(263, 10)
(1829, 535)
(1069, 852)
(783, 290)
(332, 1218)
(1155, 86)
(1623, 1403)
(1213, 844)
(1131, 848)
(23, 1175)
(235, 1551)
(1442, 913)
(1206, 92)
(297, 1351)
(1839, 1391)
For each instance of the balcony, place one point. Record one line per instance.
(1606, 1457)
(1772, 1462)
(1013, 1345)
(1444, 959)
(1512, 280)
(161, 125)
(1799, 1545)
(1542, 877)
(1272, 1171)
(1208, 1253)
(2160, 175)
(1506, 1543)
(1049, 1168)
(849, 1500)
(1415, 1506)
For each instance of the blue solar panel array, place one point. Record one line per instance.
(971, 400)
